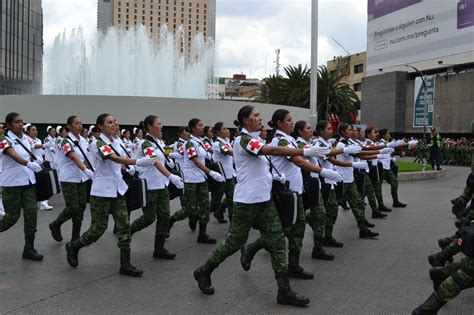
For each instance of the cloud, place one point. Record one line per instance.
(248, 31)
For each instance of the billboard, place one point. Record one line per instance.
(401, 32)
(423, 99)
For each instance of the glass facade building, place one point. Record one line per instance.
(21, 47)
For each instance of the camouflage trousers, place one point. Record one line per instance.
(355, 201)
(196, 203)
(294, 234)
(377, 190)
(331, 206)
(75, 197)
(461, 278)
(370, 192)
(264, 214)
(101, 208)
(157, 208)
(317, 220)
(216, 196)
(389, 177)
(15, 199)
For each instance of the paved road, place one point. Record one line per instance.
(384, 276)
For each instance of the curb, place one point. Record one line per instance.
(411, 176)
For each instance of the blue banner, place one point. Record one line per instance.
(419, 107)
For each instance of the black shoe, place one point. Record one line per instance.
(430, 307)
(367, 223)
(437, 276)
(319, 253)
(203, 278)
(32, 254)
(126, 268)
(344, 206)
(300, 273)
(331, 242)
(383, 208)
(164, 254)
(462, 222)
(72, 255)
(366, 233)
(56, 231)
(288, 297)
(378, 215)
(192, 222)
(220, 217)
(130, 270)
(245, 259)
(206, 239)
(398, 204)
(444, 242)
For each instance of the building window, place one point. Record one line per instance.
(358, 87)
(359, 68)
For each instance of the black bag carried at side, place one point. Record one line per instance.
(339, 189)
(47, 184)
(136, 192)
(325, 190)
(310, 190)
(374, 174)
(286, 203)
(394, 168)
(47, 181)
(212, 184)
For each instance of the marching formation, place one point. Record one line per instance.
(277, 186)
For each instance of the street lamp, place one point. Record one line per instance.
(423, 78)
(313, 116)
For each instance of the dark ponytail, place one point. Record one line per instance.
(70, 119)
(101, 119)
(218, 126)
(298, 127)
(149, 121)
(277, 116)
(243, 113)
(321, 126)
(193, 123)
(9, 120)
(342, 128)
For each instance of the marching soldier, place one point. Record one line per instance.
(291, 169)
(196, 193)
(18, 180)
(74, 179)
(223, 154)
(107, 197)
(388, 174)
(253, 204)
(158, 179)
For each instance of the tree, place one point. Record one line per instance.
(334, 97)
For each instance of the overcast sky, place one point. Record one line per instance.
(249, 31)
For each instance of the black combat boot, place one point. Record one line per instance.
(126, 268)
(444, 242)
(219, 214)
(294, 268)
(383, 208)
(376, 214)
(286, 296)
(203, 278)
(367, 223)
(246, 257)
(320, 253)
(344, 205)
(192, 222)
(160, 250)
(397, 203)
(29, 251)
(55, 229)
(431, 306)
(462, 223)
(72, 250)
(330, 241)
(76, 231)
(436, 260)
(203, 237)
(364, 232)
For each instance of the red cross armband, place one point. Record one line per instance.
(4, 144)
(149, 152)
(191, 152)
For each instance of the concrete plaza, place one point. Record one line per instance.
(384, 276)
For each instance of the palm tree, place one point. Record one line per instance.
(335, 97)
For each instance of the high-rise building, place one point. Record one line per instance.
(21, 46)
(195, 16)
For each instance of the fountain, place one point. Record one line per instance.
(128, 63)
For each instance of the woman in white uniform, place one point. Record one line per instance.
(19, 190)
(50, 146)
